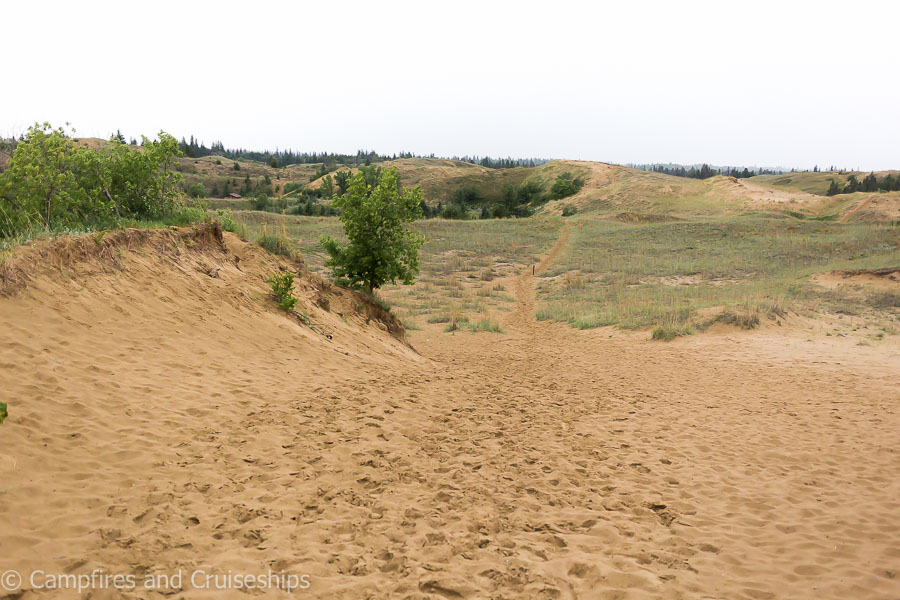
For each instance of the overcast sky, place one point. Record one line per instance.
(730, 83)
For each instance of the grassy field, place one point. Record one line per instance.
(460, 263)
(681, 276)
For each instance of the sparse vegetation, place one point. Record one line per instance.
(668, 275)
(278, 244)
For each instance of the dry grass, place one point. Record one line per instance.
(743, 269)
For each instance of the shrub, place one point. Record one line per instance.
(454, 211)
(282, 285)
(260, 201)
(3, 412)
(569, 210)
(197, 190)
(565, 185)
(466, 196)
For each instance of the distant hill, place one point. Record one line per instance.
(814, 183)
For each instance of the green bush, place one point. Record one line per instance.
(565, 185)
(3, 412)
(197, 190)
(282, 285)
(569, 210)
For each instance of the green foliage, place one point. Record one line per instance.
(259, 201)
(327, 188)
(197, 190)
(3, 412)
(381, 248)
(342, 180)
(565, 185)
(53, 184)
(226, 218)
(454, 211)
(236, 167)
(569, 210)
(282, 285)
(466, 196)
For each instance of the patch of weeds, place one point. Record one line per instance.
(282, 285)
(667, 333)
(277, 244)
(884, 300)
(486, 325)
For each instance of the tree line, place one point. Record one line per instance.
(705, 171)
(192, 148)
(869, 183)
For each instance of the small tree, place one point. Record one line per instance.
(381, 248)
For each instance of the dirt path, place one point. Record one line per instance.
(523, 316)
(163, 424)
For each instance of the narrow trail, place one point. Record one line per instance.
(523, 316)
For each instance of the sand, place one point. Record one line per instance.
(163, 419)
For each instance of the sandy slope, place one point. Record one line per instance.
(163, 419)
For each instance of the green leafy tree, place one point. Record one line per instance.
(833, 189)
(381, 248)
(327, 189)
(342, 180)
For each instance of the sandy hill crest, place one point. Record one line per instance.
(190, 273)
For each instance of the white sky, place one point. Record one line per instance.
(730, 83)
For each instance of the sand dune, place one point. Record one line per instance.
(165, 415)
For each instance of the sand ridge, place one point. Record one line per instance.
(162, 418)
